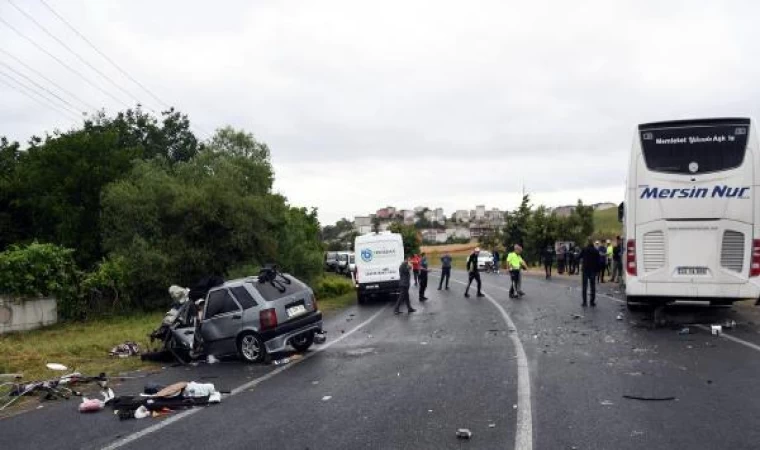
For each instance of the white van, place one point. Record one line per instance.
(378, 257)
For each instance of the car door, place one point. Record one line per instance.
(222, 322)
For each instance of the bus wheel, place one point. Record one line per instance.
(636, 304)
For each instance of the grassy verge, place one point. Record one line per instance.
(82, 346)
(331, 305)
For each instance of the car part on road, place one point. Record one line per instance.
(649, 399)
(684, 330)
(57, 367)
(464, 433)
(716, 330)
(320, 338)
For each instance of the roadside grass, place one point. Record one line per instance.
(606, 225)
(332, 305)
(81, 346)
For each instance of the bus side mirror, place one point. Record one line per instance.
(621, 211)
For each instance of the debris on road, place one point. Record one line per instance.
(326, 398)
(619, 317)
(125, 350)
(729, 324)
(281, 362)
(649, 399)
(606, 403)
(211, 359)
(577, 316)
(320, 338)
(491, 425)
(716, 330)
(684, 330)
(609, 339)
(464, 433)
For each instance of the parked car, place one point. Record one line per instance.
(485, 259)
(255, 316)
(343, 263)
(331, 261)
(380, 255)
(351, 264)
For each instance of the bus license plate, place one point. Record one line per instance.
(692, 271)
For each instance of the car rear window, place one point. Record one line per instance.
(343, 257)
(243, 297)
(220, 302)
(694, 149)
(270, 292)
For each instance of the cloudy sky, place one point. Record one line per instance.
(404, 103)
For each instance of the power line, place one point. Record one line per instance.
(39, 94)
(59, 61)
(72, 51)
(41, 75)
(66, 102)
(26, 91)
(113, 63)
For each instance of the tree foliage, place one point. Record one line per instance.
(409, 235)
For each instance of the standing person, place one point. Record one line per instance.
(473, 273)
(601, 256)
(591, 265)
(403, 283)
(610, 250)
(617, 261)
(548, 258)
(576, 260)
(515, 262)
(561, 259)
(423, 276)
(416, 268)
(496, 261)
(445, 270)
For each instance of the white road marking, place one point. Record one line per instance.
(176, 418)
(524, 431)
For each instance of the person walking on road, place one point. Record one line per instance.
(601, 252)
(473, 273)
(496, 261)
(423, 276)
(548, 258)
(608, 266)
(445, 270)
(515, 262)
(403, 283)
(416, 268)
(617, 261)
(591, 265)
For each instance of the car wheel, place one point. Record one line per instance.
(361, 299)
(302, 342)
(250, 348)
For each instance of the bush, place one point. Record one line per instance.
(330, 286)
(105, 289)
(42, 270)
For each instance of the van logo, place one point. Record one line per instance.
(366, 255)
(719, 191)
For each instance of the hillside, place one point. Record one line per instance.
(606, 224)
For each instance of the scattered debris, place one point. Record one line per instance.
(637, 433)
(577, 316)
(609, 340)
(430, 410)
(716, 330)
(684, 330)
(709, 381)
(635, 374)
(423, 343)
(211, 359)
(491, 425)
(296, 357)
(56, 367)
(320, 338)
(729, 324)
(125, 350)
(649, 399)
(326, 398)
(281, 362)
(606, 403)
(141, 412)
(464, 433)
(619, 317)
(514, 406)
(315, 382)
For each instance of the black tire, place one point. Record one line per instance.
(302, 342)
(250, 347)
(361, 299)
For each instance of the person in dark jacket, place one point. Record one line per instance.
(405, 275)
(602, 251)
(548, 258)
(617, 261)
(473, 273)
(590, 267)
(423, 277)
(445, 270)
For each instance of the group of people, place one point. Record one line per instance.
(570, 258)
(417, 266)
(598, 259)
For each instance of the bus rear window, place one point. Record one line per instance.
(694, 149)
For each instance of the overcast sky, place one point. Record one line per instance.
(404, 103)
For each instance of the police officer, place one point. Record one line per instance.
(474, 274)
(515, 263)
(404, 281)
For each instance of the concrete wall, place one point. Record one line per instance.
(27, 314)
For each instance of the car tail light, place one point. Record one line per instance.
(754, 267)
(314, 301)
(268, 318)
(630, 257)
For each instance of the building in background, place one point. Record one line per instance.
(363, 224)
(462, 215)
(480, 212)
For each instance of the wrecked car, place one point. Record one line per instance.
(251, 317)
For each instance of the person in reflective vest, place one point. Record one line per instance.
(515, 263)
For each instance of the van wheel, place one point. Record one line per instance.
(302, 342)
(361, 299)
(250, 348)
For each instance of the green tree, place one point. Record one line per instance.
(516, 228)
(239, 143)
(410, 237)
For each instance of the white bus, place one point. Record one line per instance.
(691, 217)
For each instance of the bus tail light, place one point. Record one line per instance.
(630, 257)
(754, 267)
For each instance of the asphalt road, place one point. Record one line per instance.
(410, 381)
